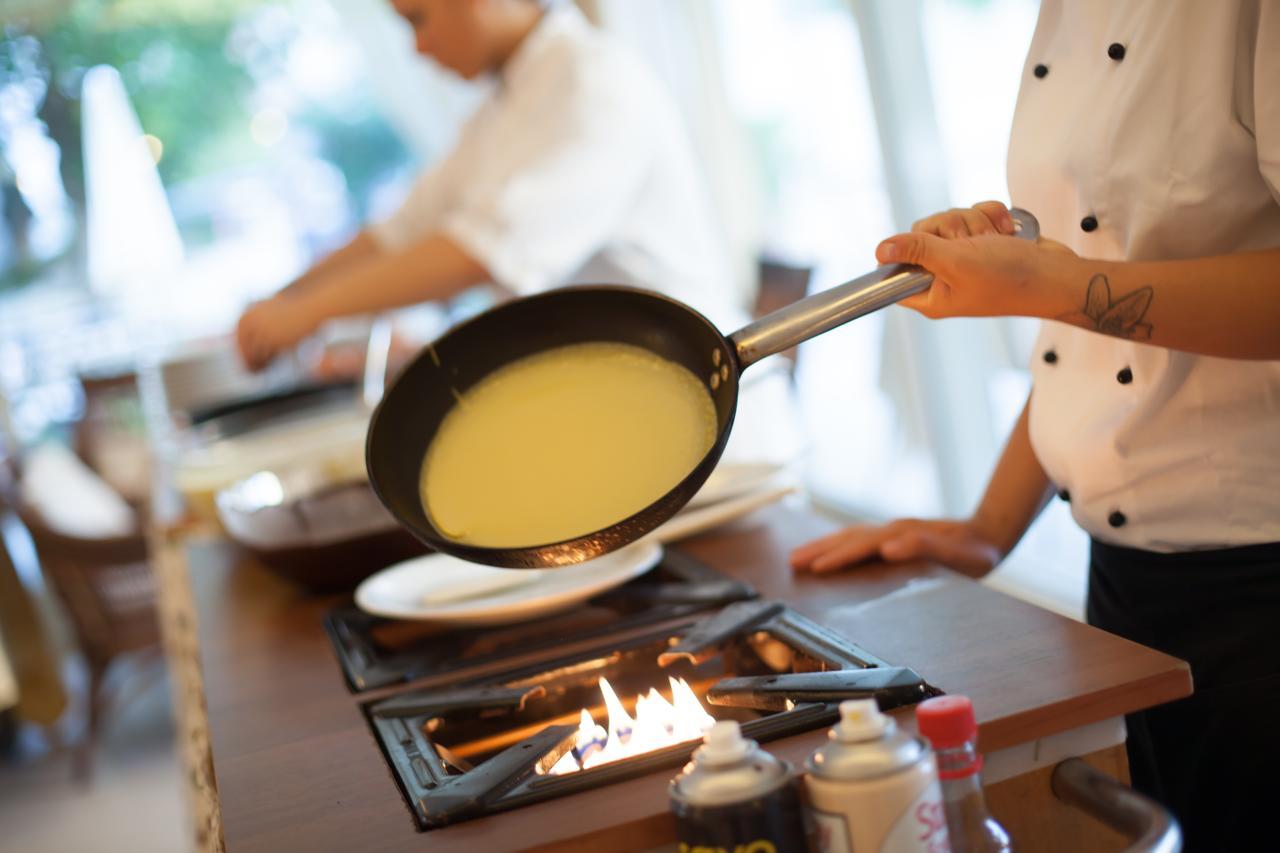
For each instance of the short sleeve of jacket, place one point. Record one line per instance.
(1266, 94)
(553, 189)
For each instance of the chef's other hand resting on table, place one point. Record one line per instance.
(980, 272)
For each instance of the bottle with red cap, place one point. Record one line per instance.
(949, 725)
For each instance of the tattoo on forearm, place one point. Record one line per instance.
(1121, 318)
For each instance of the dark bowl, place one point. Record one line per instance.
(327, 541)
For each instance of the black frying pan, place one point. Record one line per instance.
(407, 418)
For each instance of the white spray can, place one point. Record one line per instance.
(874, 789)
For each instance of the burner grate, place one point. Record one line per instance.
(376, 652)
(520, 717)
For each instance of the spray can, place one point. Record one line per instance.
(874, 789)
(734, 796)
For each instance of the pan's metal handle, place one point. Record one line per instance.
(1144, 822)
(824, 311)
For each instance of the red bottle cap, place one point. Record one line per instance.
(947, 721)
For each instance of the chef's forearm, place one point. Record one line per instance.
(1226, 306)
(360, 248)
(1017, 492)
(435, 268)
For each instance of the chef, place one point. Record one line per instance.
(1147, 141)
(575, 169)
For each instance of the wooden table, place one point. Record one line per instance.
(298, 769)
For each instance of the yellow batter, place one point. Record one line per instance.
(563, 443)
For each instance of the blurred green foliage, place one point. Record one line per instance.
(192, 69)
(171, 55)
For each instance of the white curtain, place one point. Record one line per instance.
(679, 41)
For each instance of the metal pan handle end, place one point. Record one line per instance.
(836, 306)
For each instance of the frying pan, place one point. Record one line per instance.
(408, 416)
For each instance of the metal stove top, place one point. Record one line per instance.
(489, 712)
(376, 652)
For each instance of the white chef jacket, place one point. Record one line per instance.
(1150, 130)
(576, 170)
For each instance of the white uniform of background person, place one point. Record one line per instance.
(577, 171)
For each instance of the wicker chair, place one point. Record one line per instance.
(108, 590)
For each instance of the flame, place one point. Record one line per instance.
(657, 723)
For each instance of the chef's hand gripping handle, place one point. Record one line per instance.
(823, 311)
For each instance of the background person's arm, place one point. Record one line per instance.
(362, 247)
(433, 268)
(1015, 495)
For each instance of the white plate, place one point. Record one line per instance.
(731, 479)
(688, 522)
(440, 588)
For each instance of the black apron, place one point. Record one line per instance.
(1213, 758)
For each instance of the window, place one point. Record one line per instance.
(906, 416)
(163, 161)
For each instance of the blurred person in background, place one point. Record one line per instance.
(576, 169)
(1155, 408)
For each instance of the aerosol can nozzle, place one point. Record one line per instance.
(860, 719)
(724, 744)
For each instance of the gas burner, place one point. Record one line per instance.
(533, 727)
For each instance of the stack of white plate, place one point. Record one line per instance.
(732, 491)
